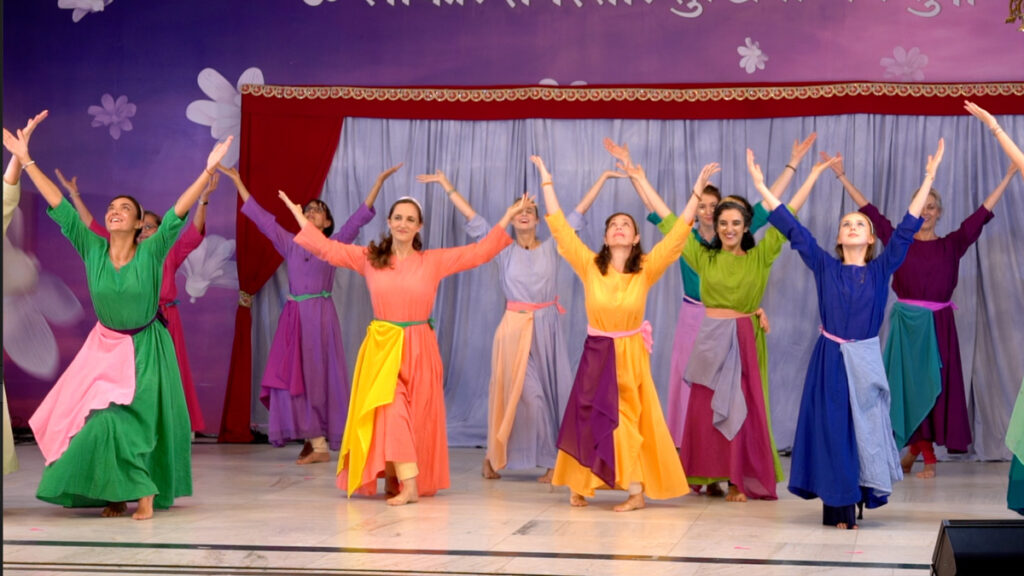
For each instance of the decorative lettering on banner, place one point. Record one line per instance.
(685, 9)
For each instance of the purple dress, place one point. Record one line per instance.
(931, 272)
(532, 276)
(305, 385)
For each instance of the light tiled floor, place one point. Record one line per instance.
(255, 512)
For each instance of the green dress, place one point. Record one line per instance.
(124, 453)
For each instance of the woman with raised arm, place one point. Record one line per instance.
(305, 384)
(922, 351)
(189, 240)
(12, 196)
(691, 311)
(844, 451)
(115, 427)
(727, 433)
(396, 423)
(613, 433)
(1009, 146)
(530, 370)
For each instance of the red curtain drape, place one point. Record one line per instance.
(290, 133)
(282, 148)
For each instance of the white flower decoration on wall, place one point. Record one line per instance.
(553, 82)
(210, 264)
(33, 299)
(907, 66)
(751, 56)
(223, 113)
(115, 114)
(80, 8)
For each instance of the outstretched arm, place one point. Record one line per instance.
(372, 196)
(191, 194)
(17, 145)
(518, 207)
(651, 199)
(460, 203)
(996, 194)
(770, 200)
(635, 173)
(917, 203)
(551, 205)
(13, 173)
(796, 155)
(591, 195)
(798, 199)
(1009, 146)
(294, 208)
(690, 211)
(76, 198)
(199, 220)
(840, 172)
(232, 173)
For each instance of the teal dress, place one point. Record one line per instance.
(126, 452)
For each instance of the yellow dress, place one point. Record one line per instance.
(615, 302)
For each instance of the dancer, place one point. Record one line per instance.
(727, 431)
(844, 451)
(922, 352)
(305, 384)
(135, 443)
(1009, 146)
(12, 196)
(1015, 442)
(189, 240)
(691, 311)
(530, 370)
(613, 434)
(396, 422)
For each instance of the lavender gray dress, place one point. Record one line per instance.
(532, 276)
(305, 385)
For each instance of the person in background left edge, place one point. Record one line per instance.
(189, 240)
(114, 427)
(12, 195)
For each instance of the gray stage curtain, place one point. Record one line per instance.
(489, 164)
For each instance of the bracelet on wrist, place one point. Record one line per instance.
(840, 175)
(204, 202)
(450, 192)
(791, 167)
(996, 130)
(209, 171)
(27, 164)
(546, 183)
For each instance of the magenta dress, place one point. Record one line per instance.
(930, 273)
(189, 240)
(305, 385)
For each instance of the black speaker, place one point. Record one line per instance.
(969, 547)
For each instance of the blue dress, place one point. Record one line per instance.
(851, 305)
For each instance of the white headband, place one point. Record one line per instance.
(411, 199)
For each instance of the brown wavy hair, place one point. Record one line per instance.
(635, 261)
(379, 254)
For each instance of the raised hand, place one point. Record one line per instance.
(981, 114)
(70, 185)
(935, 159)
(230, 173)
(387, 173)
(755, 171)
(837, 167)
(710, 170)
(632, 171)
(1013, 169)
(217, 154)
(17, 145)
(621, 153)
(545, 176)
(437, 177)
(613, 174)
(295, 209)
(30, 126)
(826, 163)
(800, 149)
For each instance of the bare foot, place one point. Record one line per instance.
(546, 478)
(314, 458)
(488, 471)
(408, 494)
(735, 495)
(307, 449)
(145, 509)
(634, 502)
(577, 500)
(391, 486)
(715, 489)
(928, 472)
(907, 462)
(843, 526)
(114, 509)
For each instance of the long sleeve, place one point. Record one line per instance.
(477, 227)
(350, 230)
(98, 229)
(12, 195)
(575, 252)
(189, 240)
(331, 251)
(896, 250)
(454, 260)
(163, 239)
(267, 224)
(666, 251)
(74, 229)
(883, 228)
(970, 230)
(664, 225)
(800, 238)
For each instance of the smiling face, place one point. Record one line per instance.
(931, 212)
(404, 221)
(620, 230)
(123, 215)
(526, 220)
(730, 228)
(317, 215)
(706, 209)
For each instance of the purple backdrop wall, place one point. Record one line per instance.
(152, 53)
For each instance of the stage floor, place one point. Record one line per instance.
(256, 512)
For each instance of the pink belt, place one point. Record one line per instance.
(515, 306)
(833, 337)
(645, 331)
(933, 306)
